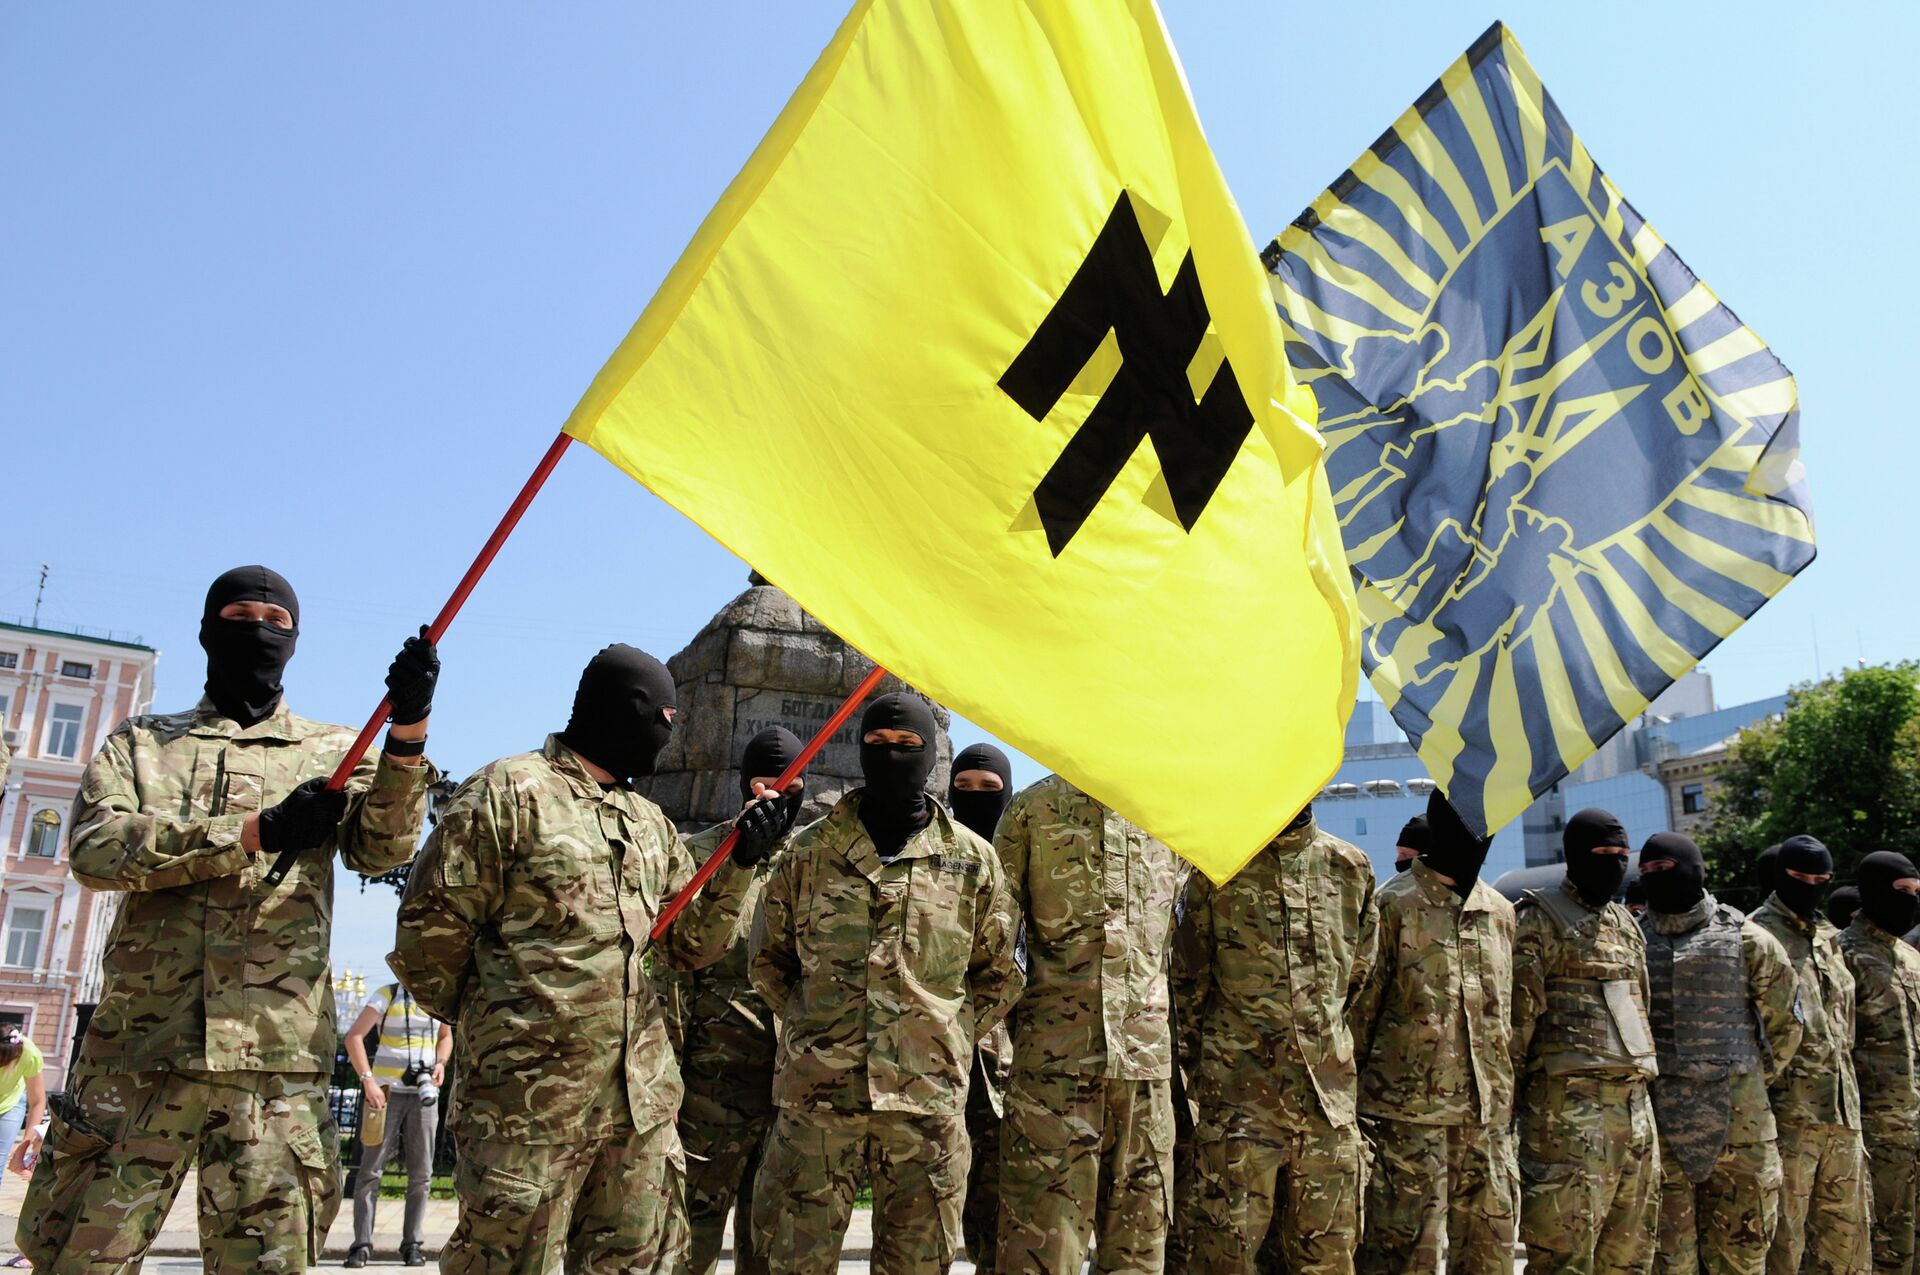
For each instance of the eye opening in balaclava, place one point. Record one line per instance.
(893, 804)
(1596, 877)
(767, 756)
(980, 809)
(1676, 889)
(245, 658)
(1453, 850)
(622, 711)
(1806, 855)
(1891, 909)
(1413, 840)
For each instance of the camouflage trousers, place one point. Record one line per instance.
(114, 1159)
(1086, 1158)
(1589, 1175)
(1721, 1226)
(723, 1137)
(1186, 1176)
(1894, 1163)
(812, 1168)
(596, 1206)
(1825, 1203)
(1301, 1178)
(980, 1214)
(1439, 1195)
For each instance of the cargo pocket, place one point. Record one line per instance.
(316, 1164)
(70, 1159)
(1155, 1168)
(488, 1191)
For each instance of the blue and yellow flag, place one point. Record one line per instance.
(976, 359)
(1564, 470)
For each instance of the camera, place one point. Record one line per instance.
(419, 1076)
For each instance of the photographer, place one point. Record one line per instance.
(401, 1087)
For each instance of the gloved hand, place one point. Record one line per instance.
(760, 826)
(304, 820)
(411, 678)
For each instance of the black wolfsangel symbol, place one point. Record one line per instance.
(1117, 288)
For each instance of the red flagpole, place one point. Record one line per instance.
(362, 742)
(787, 776)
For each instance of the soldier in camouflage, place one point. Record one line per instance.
(977, 794)
(1724, 1026)
(1582, 1055)
(726, 1054)
(1087, 1152)
(1825, 1196)
(884, 943)
(1432, 1029)
(1267, 975)
(215, 1031)
(1886, 1049)
(525, 923)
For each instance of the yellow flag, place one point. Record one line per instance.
(976, 359)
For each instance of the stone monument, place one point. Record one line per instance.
(760, 662)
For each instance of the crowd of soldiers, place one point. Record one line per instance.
(1018, 1019)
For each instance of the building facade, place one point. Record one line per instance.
(61, 693)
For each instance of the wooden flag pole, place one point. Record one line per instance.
(787, 776)
(284, 864)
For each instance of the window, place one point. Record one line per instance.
(74, 668)
(12, 1018)
(1359, 827)
(9, 659)
(1693, 799)
(43, 835)
(63, 730)
(26, 928)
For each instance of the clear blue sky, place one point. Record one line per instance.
(315, 286)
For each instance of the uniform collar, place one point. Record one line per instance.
(859, 847)
(1479, 898)
(1872, 929)
(1799, 923)
(1297, 840)
(1671, 923)
(279, 725)
(566, 763)
(1567, 888)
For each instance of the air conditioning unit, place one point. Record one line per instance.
(12, 737)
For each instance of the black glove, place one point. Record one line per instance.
(410, 679)
(307, 818)
(761, 827)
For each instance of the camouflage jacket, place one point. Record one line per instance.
(1817, 1087)
(1268, 972)
(1886, 1029)
(1432, 1025)
(1096, 894)
(723, 1032)
(1560, 978)
(206, 968)
(884, 976)
(525, 925)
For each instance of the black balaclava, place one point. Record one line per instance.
(1676, 889)
(619, 722)
(1763, 869)
(894, 804)
(1886, 907)
(1595, 877)
(1452, 849)
(1412, 837)
(768, 754)
(1842, 904)
(246, 657)
(1802, 854)
(981, 811)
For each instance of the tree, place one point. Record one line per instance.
(1842, 764)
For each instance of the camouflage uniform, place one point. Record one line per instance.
(1886, 978)
(215, 1030)
(1583, 1053)
(986, 1107)
(1277, 955)
(726, 1061)
(1087, 1151)
(883, 975)
(1825, 1198)
(1432, 1035)
(524, 924)
(1724, 1025)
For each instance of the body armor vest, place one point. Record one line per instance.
(1595, 1019)
(1704, 1030)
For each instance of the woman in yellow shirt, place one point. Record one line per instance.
(23, 1098)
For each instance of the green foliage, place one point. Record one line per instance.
(1843, 764)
